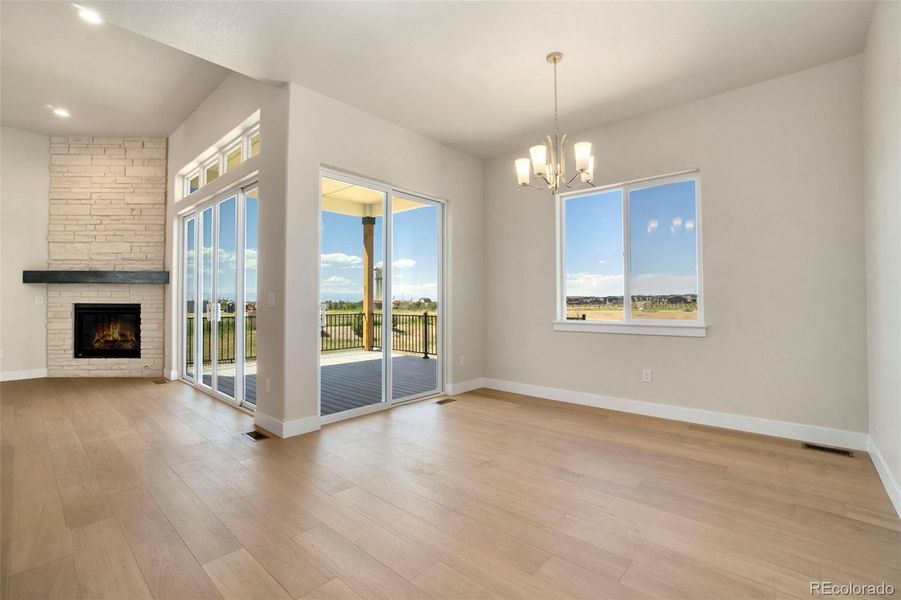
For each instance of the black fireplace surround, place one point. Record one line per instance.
(107, 331)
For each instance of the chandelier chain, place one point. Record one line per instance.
(555, 97)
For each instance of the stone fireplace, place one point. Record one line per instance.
(107, 213)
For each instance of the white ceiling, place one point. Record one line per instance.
(113, 82)
(473, 74)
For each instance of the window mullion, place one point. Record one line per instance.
(627, 259)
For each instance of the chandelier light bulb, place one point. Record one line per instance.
(583, 153)
(539, 159)
(522, 171)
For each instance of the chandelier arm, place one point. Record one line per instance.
(573, 178)
(534, 187)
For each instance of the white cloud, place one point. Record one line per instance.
(651, 284)
(593, 284)
(338, 285)
(414, 291)
(341, 261)
(250, 259)
(404, 263)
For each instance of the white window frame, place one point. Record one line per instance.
(198, 172)
(248, 135)
(215, 161)
(628, 325)
(237, 144)
(220, 155)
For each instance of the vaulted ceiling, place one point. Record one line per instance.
(112, 81)
(468, 74)
(473, 74)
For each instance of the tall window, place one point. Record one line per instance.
(630, 256)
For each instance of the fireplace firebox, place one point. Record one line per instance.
(107, 331)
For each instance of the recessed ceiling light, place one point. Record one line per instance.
(89, 15)
(61, 112)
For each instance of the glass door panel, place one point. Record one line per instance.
(205, 341)
(251, 218)
(225, 305)
(220, 295)
(415, 294)
(352, 370)
(190, 297)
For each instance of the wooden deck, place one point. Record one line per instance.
(351, 385)
(354, 384)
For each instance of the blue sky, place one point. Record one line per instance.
(227, 248)
(415, 254)
(664, 244)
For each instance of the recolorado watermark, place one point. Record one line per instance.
(829, 588)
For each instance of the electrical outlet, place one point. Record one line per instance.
(462, 360)
(268, 385)
(39, 300)
(646, 375)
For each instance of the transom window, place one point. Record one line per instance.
(630, 258)
(229, 156)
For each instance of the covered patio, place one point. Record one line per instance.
(352, 342)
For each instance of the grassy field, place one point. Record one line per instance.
(616, 313)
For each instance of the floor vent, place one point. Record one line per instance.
(255, 435)
(829, 449)
(159, 381)
(445, 401)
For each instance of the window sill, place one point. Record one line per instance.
(656, 328)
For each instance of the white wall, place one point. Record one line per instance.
(318, 131)
(233, 102)
(325, 132)
(882, 125)
(783, 225)
(24, 203)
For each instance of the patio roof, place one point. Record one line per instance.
(358, 201)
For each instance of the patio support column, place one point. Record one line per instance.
(368, 264)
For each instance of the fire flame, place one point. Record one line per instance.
(113, 335)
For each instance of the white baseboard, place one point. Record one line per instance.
(29, 374)
(284, 429)
(885, 474)
(173, 375)
(464, 386)
(796, 431)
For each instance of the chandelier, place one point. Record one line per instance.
(547, 160)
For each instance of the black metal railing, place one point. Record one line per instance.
(409, 333)
(342, 331)
(227, 339)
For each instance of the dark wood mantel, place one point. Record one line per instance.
(120, 277)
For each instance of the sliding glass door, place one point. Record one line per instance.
(219, 296)
(415, 297)
(352, 297)
(380, 296)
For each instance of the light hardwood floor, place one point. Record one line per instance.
(120, 488)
